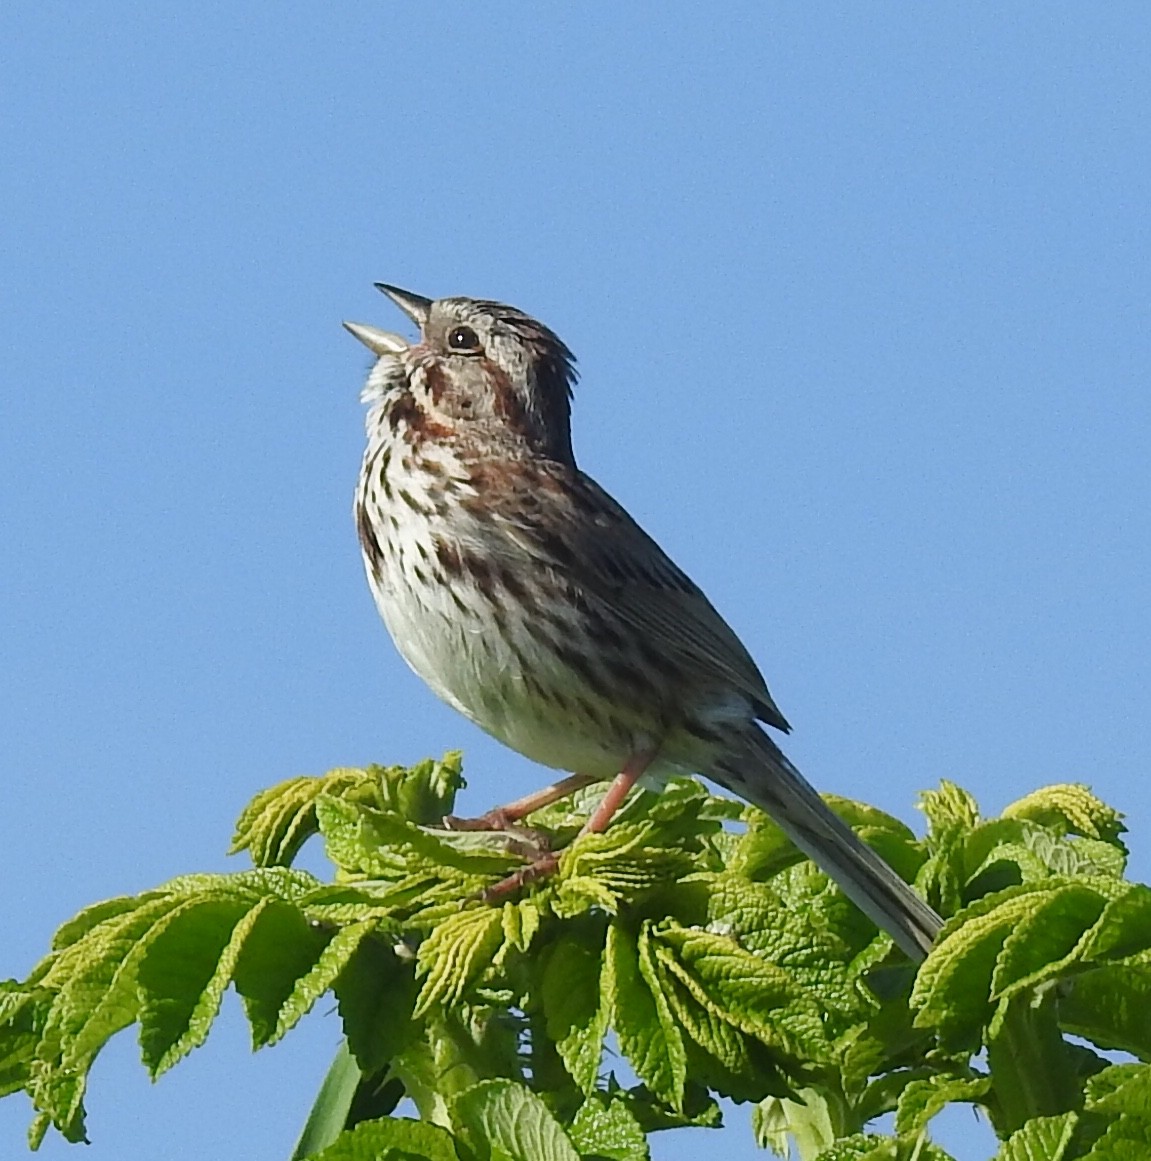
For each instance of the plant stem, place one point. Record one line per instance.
(1032, 1075)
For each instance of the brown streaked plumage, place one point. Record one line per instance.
(527, 598)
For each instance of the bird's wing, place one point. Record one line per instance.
(575, 526)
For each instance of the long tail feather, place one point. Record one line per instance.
(760, 773)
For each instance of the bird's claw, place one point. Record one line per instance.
(525, 841)
(540, 868)
(497, 819)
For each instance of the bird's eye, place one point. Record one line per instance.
(463, 339)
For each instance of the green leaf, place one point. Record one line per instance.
(1123, 1089)
(603, 869)
(1045, 940)
(1104, 1086)
(521, 921)
(309, 987)
(1111, 1007)
(1033, 1068)
(376, 854)
(343, 903)
(749, 993)
(423, 793)
(455, 955)
(1119, 1106)
(1122, 1141)
(887, 1041)
(391, 1139)
(1041, 1139)
(97, 914)
(376, 995)
(605, 1128)
(949, 806)
(95, 984)
(1092, 857)
(95, 978)
(653, 1115)
(648, 1034)
(506, 1121)
(953, 988)
(753, 915)
(278, 821)
(363, 841)
(91, 985)
(1070, 808)
(1124, 928)
(922, 1099)
(23, 1012)
(184, 973)
(763, 850)
(574, 1006)
(1028, 852)
(861, 816)
(280, 949)
(723, 960)
(456, 1050)
(809, 895)
(1006, 851)
(806, 1117)
(687, 799)
(718, 1054)
(329, 1113)
(869, 1147)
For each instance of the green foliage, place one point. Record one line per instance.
(691, 939)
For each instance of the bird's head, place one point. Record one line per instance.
(479, 369)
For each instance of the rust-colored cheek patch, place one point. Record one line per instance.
(435, 381)
(407, 411)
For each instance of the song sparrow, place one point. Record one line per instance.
(527, 598)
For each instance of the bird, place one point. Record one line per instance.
(528, 599)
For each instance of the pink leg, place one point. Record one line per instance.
(503, 817)
(625, 780)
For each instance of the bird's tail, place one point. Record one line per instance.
(760, 773)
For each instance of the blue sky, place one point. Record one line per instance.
(861, 300)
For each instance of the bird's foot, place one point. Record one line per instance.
(539, 868)
(497, 819)
(525, 841)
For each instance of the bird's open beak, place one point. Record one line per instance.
(377, 341)
(415, 306)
